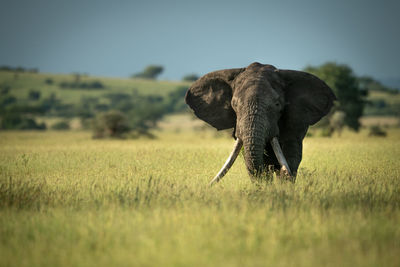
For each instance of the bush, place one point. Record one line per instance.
(93, 85)
(49, 81)
(110, 124)
(326, 132)
(34, 95)
(4, 89)
(190, 77)
(376, 130)
(96, 85)
(61, 125)
(49, 103)
(6, 68)
(31, 124)
(7, 100)
(15, 121)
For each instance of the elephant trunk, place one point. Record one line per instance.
(253, 154)
(258, 132)
(254, 136)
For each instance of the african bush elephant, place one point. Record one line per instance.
(270, 110)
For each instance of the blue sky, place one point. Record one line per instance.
(118, 38)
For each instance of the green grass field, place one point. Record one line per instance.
(68, 200)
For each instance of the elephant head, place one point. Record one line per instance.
(270, 110)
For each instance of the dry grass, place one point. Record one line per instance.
(67, 200)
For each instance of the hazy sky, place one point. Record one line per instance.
(118, 38)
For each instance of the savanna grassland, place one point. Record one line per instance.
(68, 200)
(22, 83)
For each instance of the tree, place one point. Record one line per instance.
(346, 88)
(34, 95)
(150, 72)
(190, 77)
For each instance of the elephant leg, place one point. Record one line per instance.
(291, 141)
(293, 150)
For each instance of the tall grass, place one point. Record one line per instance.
(67, 200)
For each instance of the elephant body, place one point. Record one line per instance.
(261, 102)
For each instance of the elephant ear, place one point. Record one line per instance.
(308, 98)
(210, 98)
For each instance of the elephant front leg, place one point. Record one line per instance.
(271, 163)
(292, 149)
(291, 141)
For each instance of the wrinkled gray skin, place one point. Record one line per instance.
(261, 102)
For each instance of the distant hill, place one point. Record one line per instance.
(27, 97)
(71, 88)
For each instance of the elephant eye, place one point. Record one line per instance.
(277, 104)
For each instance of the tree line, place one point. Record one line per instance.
(116, 114)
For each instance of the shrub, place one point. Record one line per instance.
(31, 124)
(15, 121)
(110, 124)
(61, 125)
(49, 81)
(326, 132)
(64, 85)
(6, 68)
(93, 85)
(96, 85)
(376, 130)
(33, 95)
(190, 77)
(7, 100)
(4, 89)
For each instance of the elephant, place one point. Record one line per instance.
(269, 110)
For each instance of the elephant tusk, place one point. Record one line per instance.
(281, 158)
(229, 162)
